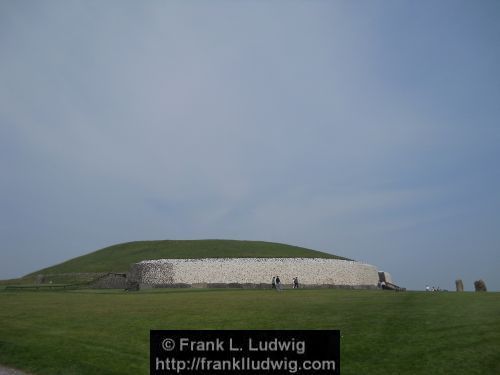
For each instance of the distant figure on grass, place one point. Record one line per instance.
(427, 288)
(278, 283)
(273, 283)
(295, 283)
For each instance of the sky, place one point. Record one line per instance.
(367, 129)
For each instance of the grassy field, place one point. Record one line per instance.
(107, 332)
(118, 258)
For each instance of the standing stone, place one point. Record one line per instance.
(480, 286)
(459, 285)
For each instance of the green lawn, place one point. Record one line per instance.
(107, 332)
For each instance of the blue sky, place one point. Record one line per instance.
(368, 129)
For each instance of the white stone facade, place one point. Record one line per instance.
(310, 271)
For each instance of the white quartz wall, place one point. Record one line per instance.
(311, 271)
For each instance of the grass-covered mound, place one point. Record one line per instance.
(118, 258)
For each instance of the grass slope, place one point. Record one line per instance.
(107, 332)
(118, 258)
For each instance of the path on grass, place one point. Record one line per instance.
(11, 371)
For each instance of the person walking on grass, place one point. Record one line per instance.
(278, 283)
(273, 283)
(295, 283)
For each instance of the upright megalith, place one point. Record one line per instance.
(459, 285)
(480, 286)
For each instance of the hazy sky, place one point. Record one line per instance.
(369, 129)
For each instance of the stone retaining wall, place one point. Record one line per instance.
(110, 281)
(97, 280)
(251, 271)
(385, 276)
(68, 278)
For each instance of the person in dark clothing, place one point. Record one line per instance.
(295, 283)
(278, 283)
